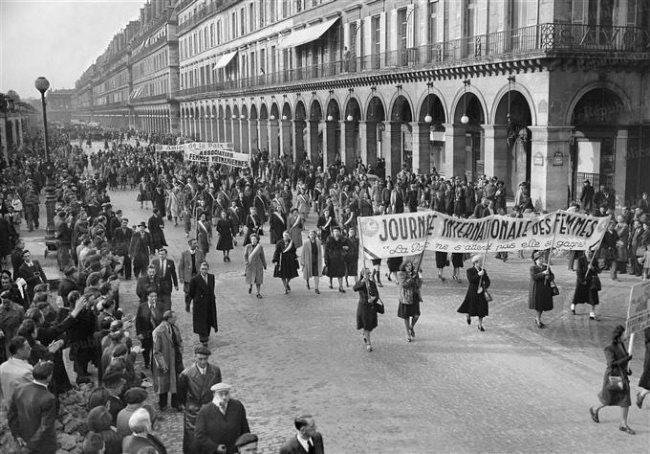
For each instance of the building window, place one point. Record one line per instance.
(402, 26)
(300, 5)
(211, 35)
(262, 6)
(375, 45)
(272, 13)
(470, 18)
(433, 21)
(233, 24)
(242, 22)
(219, 32)
(251, 17)
(285, 8)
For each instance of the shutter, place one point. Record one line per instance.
(410, 18)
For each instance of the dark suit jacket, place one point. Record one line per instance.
(169, 277)
(145, 321)
(213, 428)
(31, 416)
(204, 312)
(140, 248)
(293, 446)
(143, 285)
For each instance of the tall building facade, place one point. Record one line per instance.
(59, 105)
(552, 92)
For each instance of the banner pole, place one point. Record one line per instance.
(631, 344)
(424, 247)
(550, 254)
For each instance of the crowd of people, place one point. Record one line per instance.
(220, 208)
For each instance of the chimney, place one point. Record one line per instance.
(154, 10)
(142, 17)
(147, 13)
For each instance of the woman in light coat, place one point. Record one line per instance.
(311, 260)
(167, 358)
(255, 264)
(295, 224)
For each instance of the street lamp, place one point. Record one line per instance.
(465, 119)
(42, 85)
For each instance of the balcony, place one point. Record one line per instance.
(539, 41)
(203, 13)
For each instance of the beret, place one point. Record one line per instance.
(135, 396)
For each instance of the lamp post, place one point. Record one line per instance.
(42, 85)
(465, 118)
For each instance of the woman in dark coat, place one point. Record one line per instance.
(457, 261)
(475, 304)
(409, 297)
(617, 365)
(442, 261)
(352, 256)
(366, 312)
(286, 261)
(225, 232)
(393, 264)
(644, 381)
(336, 250)
(540, 293)
(156, 224)
(587, 283)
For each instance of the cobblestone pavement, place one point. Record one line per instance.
(511, 389)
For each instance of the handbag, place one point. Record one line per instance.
(379, 306)
(615, 383)
(325, 271)
(488, 297)
(554, 290)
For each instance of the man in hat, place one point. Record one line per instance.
(134, 399)
(140, 249)
(307, 440)
(166, 270)
(121, 240)
(220, 423)
(193, 391)
(167, 359)
(32, 412)
(246, 444)
(31, 207)
(146, 320)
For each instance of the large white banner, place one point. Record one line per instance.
(210, 152)
(412, 233)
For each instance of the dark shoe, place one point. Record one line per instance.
(639, 400)
(288, 287)
(250, 290)
(259, 296)
(331, 286)
(286, 291)
(469, 320)
(389, 279)
(412, 331)
(594, 415)
(365, 340)
(480, 328)
(627, 430)
(317, 291)
(308, 287)
(341, 290)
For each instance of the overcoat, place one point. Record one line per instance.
(617, 364)
(295, 224)
(156, 225)
(475, 304)
(214, 428)
(335, 256)
(166, 357)
(306, 261)
(286, 262)
(540, 296)
(204, 310)
(193, 391)
(140, 248)
(277, 225)
(587, 282)
(255, 263)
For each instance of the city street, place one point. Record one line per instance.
(513, 388)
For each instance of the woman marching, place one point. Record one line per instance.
(540, 293)
(616, 383)
(312, 260)
(475, 303)
(409, 283)
(255, 264)
(286, 262)
(588, 283)
(225, 235)
(366, 309)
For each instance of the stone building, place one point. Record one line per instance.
(547, 91)
(59, 105)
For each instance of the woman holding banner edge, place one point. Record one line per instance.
(475, 303)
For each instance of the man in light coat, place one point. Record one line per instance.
(167, 359)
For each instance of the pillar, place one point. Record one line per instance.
(362, 140)
(393, 152)
(299, 140)
(245, 143)
(421, 147)
(620, 166)
(350, 143)
(313, 142)
(549, 183)
(496, 151)
(264, 134)
(454, 150)
(274, 138)
(286, 144)
(236, 134)
(330, 143)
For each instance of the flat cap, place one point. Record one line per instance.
(202, 350)
(219, 387)
(245, 440)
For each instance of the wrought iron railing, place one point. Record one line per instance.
(533, 40)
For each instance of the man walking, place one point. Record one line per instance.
(146, 320)
(151, 281)
(167, 359)
(166, 272)
(188, 267)
(221, 422)
(204, 313)
(32, 412)
(307, 441)
(121, 241)
(140, 249)
(193, 391)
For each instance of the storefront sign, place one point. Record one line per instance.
(638, 311)
(538, 159)
(558, 158)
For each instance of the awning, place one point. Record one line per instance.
(305, 35)
(224, 60)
